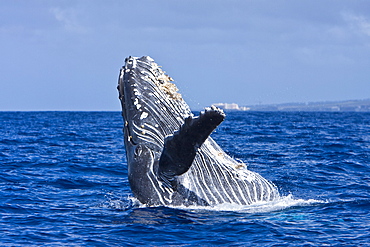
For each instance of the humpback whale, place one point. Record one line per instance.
(172, 160)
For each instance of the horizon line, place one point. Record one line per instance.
(195, 108)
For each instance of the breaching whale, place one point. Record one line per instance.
(172, 160)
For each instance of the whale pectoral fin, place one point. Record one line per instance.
(180, 149)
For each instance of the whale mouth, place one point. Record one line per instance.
(130, 87)
(151, 105)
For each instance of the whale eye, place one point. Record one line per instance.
(138, 150)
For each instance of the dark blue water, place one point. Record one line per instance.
(63, 181)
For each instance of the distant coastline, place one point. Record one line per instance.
(326, 106)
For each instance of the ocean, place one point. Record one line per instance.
(63, 182)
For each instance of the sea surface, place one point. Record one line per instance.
(63, 182)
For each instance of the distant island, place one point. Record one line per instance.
(332, 106)
(231, 106)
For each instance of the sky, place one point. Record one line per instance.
(66, 54)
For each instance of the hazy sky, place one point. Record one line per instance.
(66, 55)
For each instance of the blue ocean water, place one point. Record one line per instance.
(63, 181)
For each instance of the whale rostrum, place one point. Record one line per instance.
(171, 158)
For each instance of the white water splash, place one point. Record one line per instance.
(121, 202)
(282, 203)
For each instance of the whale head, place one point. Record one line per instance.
(151, 106)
